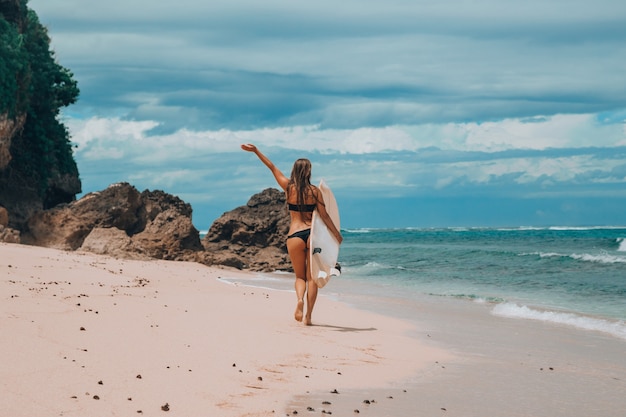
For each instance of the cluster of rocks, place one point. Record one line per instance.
(7, 234)
(122, 222)
(119, 221)
(252, 236)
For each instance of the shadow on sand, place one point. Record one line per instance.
(345, 329)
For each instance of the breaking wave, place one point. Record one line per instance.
(510, 310)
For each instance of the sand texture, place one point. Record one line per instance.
(90, 335)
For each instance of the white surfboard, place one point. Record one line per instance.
(324, 248)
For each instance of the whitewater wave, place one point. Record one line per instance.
(582, 228)
(603, 258)
(558, 228)
(511, 310)
(519, 229)
(371, 266)
(622, 244)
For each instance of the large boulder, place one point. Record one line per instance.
(168, 232)
(7, 234)
(251, 236)
(150, 224)
(4, 217)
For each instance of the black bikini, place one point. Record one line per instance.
(304, 208)
(302, 234)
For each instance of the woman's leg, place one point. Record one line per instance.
(298, 254)
(312, 290)
(311, 297)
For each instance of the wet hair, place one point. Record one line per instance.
(300, 181)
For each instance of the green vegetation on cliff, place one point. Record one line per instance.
(34, 87)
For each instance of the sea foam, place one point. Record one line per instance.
(511, 310)
(603, 257)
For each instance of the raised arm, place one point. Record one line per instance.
(282, 181)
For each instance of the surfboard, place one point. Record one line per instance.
(323, 247)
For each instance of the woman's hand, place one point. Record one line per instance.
(248, 147)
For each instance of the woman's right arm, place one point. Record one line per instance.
(282, 181)
(321, 209)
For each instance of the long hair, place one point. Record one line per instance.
(300, 181)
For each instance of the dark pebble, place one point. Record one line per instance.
(310, 409)
(165, 407)
(334, 391)
(95, 397)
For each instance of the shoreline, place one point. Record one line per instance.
(500, 367)
(90, 335)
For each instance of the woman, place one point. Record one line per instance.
(303, 199)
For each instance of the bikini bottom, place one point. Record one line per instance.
(302, 234)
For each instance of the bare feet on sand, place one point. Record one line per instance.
(299, 310)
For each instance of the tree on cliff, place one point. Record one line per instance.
(33, 89)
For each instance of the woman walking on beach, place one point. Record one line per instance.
(303, 199)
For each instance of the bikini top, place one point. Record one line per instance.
(306, 208)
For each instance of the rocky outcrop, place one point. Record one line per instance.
(8, 128)
(37, 166)
(124, 223)
(121, 222)
(7, 234)
(251, 236)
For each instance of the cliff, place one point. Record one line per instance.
(37, 167)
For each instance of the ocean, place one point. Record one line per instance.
(566, 275)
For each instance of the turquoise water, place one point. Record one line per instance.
(573, 276)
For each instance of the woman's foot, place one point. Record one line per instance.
(308, 321)
(299, 310)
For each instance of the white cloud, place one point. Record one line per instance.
(390, 98)
(115, 138)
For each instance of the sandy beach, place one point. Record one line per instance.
(87, 335)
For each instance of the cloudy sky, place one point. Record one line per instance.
(417, 113)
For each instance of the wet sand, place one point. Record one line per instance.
(499, 367)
